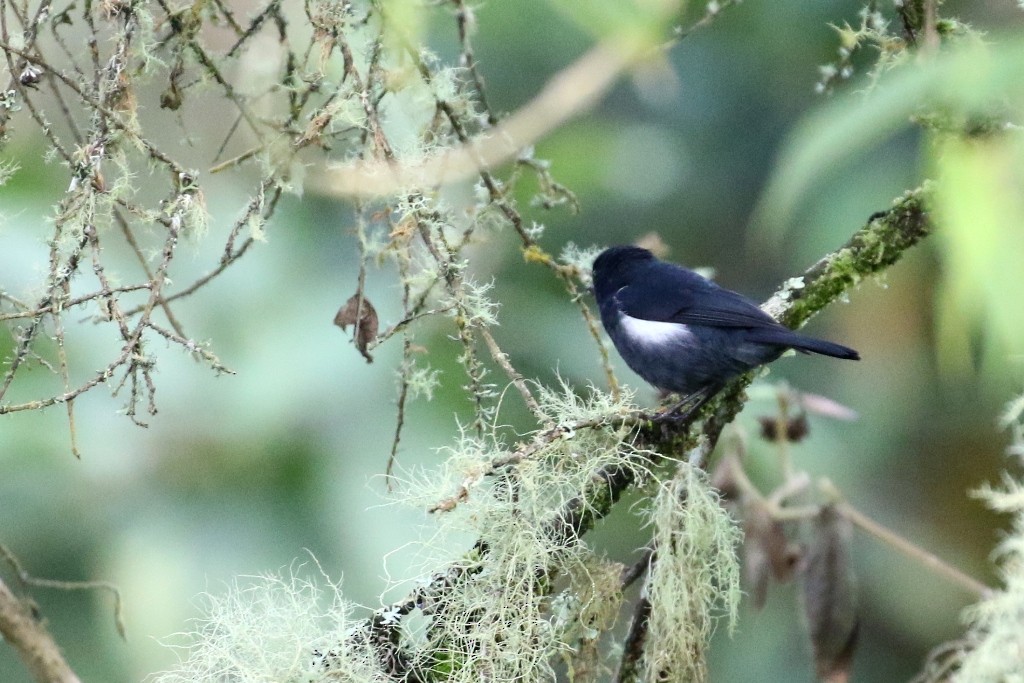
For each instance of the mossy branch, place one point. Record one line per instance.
(872, 249)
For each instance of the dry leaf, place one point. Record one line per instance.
(725, 475)
(829, 595)
(767, 551)
(359, 312)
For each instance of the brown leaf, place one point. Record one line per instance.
(767, 551)
(725, 475)
(359, 312)
(829, 595)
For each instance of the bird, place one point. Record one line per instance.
(684, 334)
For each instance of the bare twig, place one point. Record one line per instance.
(21, 627)
(915, 552)
(27, 579)
(569, 92)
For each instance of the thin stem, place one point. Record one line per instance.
(915, 552)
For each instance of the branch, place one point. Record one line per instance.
(915, 552)
(870, 250)
(22, 627)
(569, 92)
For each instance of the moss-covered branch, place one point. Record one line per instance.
(872, 249)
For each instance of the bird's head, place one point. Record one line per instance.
(614, 268)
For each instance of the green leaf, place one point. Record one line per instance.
(952, 86)
(643, 20)
(980, 205)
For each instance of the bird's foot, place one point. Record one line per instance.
(687, 407)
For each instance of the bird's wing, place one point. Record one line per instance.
(722, 308)
(682, 296)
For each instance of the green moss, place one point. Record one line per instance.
(871, 250)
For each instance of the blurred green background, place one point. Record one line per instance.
(242, 475)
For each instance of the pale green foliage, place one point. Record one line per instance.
(1012, 414)
(424, 273)
(872, 32)
(276, 627)
(968, 99)
(472, 303)
(642, 20)
(421, 380)
(501, 623)
(8, 167)
(696, 576)
(580, 258)
(587, 613)
(886, 38)
(978, 203)
(189, 215)
(564, 406)
(994, 649)
(962, 81)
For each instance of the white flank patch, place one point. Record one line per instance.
(653, 333)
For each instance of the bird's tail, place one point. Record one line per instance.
(784, 337)
(825, 348)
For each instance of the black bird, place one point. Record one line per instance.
(683, 333)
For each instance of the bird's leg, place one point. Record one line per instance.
(691, 403)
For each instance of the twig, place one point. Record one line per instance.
(633, 572)
(27, 579)
(905, 225)
(636, 638)
(191, 347)
(501, 358)
(21, 626)
(570, 91)
(915, 552)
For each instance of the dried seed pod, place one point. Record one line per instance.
(767, 552)
(828, 588)
(796, 428)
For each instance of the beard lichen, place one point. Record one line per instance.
(532, 591)
(694, 579)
